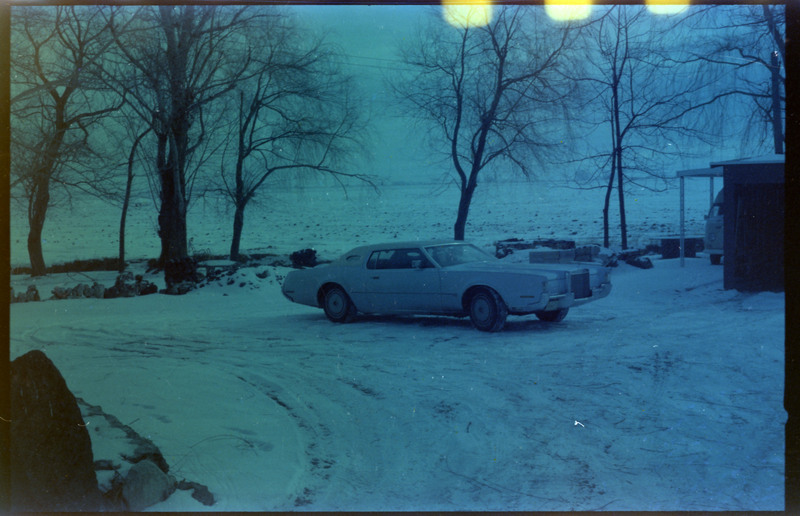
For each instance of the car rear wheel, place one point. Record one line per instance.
(337, 305)
(716, 259)
(487, 311)
(553, 315)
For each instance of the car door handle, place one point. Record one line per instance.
(376, 277)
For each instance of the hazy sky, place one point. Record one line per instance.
(370, 36)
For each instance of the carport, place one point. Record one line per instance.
(715, 170)
(753, 213)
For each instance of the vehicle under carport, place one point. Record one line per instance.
(753, 211)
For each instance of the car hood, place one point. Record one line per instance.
(512, 268)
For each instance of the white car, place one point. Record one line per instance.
(444, 278)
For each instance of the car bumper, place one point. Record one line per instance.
(568, 300)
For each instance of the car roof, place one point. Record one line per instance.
(401, 245)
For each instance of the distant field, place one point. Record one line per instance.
(283, 220)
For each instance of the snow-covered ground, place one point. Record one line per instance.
(666, 395)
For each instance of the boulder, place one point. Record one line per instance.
(127, 286)
(607, 257)
(179, 289)
(199, 492)
(50, 452)
(643, 262)
(32, 294)
(97, 291)
(145, 485)
(80, 291)
(304, 258)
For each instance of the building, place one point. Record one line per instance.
(753, 213)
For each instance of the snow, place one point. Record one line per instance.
(666, 395)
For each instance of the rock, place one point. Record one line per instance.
(78, 291)
(199, 492)
(643, 262)
(146, 450)
(97, 291)
(607, 257)
(146, 485)
(179, 289)
(30, 295)
(50, 451)
(142, 287)
(304, 258)
(126, 286)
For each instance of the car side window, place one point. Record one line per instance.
(398, 259)
(372, 263)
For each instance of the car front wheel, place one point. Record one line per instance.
(337, 305)
(487, 311)
(553, 315)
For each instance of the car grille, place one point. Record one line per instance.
(580, 285)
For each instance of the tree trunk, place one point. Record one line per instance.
(178, 266)
(126, 201)
(238, 224)
(173, 150)
(123, 218)
(38, 267)
(38, 202)
(463, 210)
(622, 220)
(606, 239)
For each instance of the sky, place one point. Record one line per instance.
(371, 37)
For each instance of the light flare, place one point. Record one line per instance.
(667, 7)
(464, 14)
(566, 10)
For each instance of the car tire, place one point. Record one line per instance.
(337, 305)
(716, 259)
(487, 310)
(553, 315)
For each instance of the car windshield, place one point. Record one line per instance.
(456, 254)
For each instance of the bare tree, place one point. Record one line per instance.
(177, 61)
(638, 87)
(747, 47)
(55, 101)
(489, 93)
(295, 114)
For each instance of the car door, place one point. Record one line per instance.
(402, 280)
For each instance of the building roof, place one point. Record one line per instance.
(768, 159)
(716, 169)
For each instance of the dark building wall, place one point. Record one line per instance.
(754, 227)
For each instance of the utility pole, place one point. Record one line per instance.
(777, 129)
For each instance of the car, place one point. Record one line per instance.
(715, 228)
(444, 277)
